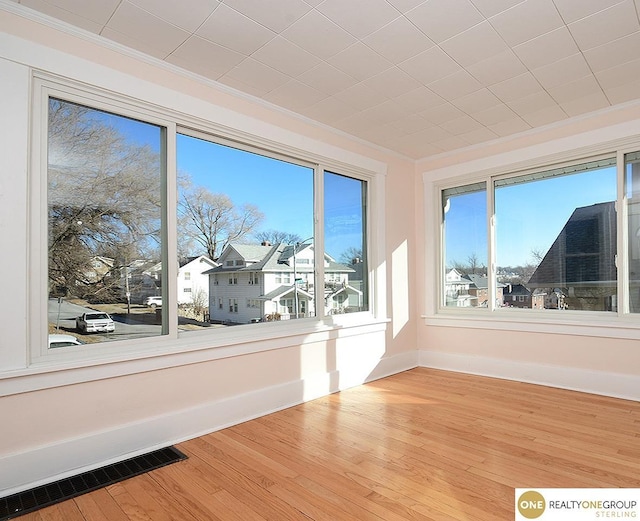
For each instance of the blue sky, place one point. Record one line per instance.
(529, 216)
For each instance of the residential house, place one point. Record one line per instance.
(193, 282)
(519, 296)
(275, 282)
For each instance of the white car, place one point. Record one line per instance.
(56, 340)
(154, 302)
(97, 322)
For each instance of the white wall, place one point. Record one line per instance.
(56, 422)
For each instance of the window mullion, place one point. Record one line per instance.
(318, 241)
(491, 250)
(169, 232)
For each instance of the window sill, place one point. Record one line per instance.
(587, 323)
(125, 358)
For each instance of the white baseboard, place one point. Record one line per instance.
(576, 379)
(46, 464)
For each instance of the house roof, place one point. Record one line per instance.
(516, 290)
(584, 252)
(273, 258)
(281, 291)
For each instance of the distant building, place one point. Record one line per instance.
(193, 282)
(276, 282)
(581, 261)
(519, 296)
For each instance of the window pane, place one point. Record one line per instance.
(345, 268)
(244, 222)
(632, 181)
(556, 239)
(104, 219)
(465, 246)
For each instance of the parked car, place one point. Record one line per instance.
(97, 322)
(56, 340)
(154, 302)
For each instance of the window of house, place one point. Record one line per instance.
(105, 201)
(464, 228)
(632, 200)
(122, 215)
(553, 231)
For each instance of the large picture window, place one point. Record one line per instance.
(552, 235)
(104, 198)
(153, 231)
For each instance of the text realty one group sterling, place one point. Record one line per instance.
(608, 509)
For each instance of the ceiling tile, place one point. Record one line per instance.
(619, 75)
(430, 66)
(456, 85)
(133, 43)
(442, 19)
(451, 143)
(285, 57)
(498, 68)
(476, 101)
(398, 40)
(573, 10)
(534, 103)
(392, 82)
(545, 116)
(387, 112)
(527, 20)
(405, 5)
(98, 12)
(585, 104)
(277, 16)
(361, 97)
(580, 88)
(329, 110)
(359, 17)
(605, 26)
(136, 23)
(516, 88)
(72, 18)
(494, 115)
(327, 78)
(360, 62)
(204, 57)
(490, 8)
(509, 127)
(442, 113)
(231, 29)
(479, 135)
(320, 36)
(473, 45)
(419, 99)
(411, 123)
(617, 52)
(175, 13)
(295, 95)
(256, 75)
(461, 125)
(623, 93)
(563, 71)
(546, 48)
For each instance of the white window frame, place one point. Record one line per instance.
(620, 324)
(174, 348)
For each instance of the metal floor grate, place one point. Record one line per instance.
(46, 495)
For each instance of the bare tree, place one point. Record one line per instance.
(277, 236)
(103, 197)
(351, 255)
(213, 221)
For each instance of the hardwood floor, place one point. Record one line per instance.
(420, 445)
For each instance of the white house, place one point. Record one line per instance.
(193, 282)
(275, 282)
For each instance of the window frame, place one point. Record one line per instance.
(616, 324)
(173, 346)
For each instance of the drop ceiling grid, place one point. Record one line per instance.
(419, 77)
